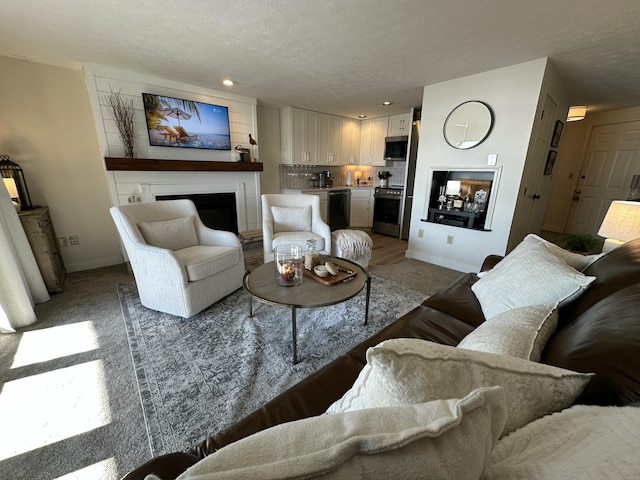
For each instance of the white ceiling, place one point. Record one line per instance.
(337, 56)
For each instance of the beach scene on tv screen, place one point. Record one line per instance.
(174, 122)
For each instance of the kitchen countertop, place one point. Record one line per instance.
(328, 189)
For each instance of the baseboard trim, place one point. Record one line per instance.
(95, 263)
(460, 267)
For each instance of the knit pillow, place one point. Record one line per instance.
(522, 332)
(440, 440)
(404, 371)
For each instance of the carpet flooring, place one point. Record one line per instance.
(68, 396)
(83, 326)
(197, 376)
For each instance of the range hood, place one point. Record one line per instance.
(395, 148)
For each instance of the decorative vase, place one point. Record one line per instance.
(129, 150)
(288, 265)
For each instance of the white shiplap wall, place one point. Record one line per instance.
(146, 185)
(101, 81)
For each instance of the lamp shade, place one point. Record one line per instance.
(453, 187)
(622, 221)
(10, 185)
(576, 113)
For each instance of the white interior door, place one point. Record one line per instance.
(612, 158)
(535, 187)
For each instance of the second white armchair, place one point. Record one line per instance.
(293, 219)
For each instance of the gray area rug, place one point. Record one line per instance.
(197, 376)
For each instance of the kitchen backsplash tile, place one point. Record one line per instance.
(299, 176)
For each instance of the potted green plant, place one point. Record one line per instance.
(581, 242)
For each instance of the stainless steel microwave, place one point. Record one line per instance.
(395, 148)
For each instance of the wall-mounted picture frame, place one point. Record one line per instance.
(557, 133)
(551, 160)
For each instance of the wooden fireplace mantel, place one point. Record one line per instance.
(150, 164)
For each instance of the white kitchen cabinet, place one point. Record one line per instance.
(361, 215)
(350, 147)
(399, 125)
(372, 137)
(329, 139)
(299, 136)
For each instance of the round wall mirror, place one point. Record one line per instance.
(468, 125)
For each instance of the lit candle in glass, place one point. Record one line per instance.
(289, 264)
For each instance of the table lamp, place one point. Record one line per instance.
(620, 224)
(453, 187)
(9, 169)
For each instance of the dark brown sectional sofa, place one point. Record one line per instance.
(598, 332)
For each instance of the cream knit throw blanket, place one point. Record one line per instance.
(353, 243)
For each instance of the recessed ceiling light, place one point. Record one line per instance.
(362, 116)
(386, 103)
(228, 82)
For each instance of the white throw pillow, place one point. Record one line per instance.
(172, 234)
(575, 260)
(581, 442)
(522, 332)
(532, 276)
(438, 440)
(404, 371)
(291, 219)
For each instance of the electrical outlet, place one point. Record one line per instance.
(63, 241)
(74, 240)
(492, 159)
(420, 233)
(449, 239)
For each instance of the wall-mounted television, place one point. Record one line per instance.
(175, 122)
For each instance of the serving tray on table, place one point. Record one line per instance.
(330, 279)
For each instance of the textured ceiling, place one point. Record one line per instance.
(337, 56)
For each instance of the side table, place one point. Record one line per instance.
(44, 244)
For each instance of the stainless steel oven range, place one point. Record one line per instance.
(386, 210)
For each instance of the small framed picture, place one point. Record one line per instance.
(551, 160)
(557, 132)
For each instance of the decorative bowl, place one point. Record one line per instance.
(332, 268)
(320, 270)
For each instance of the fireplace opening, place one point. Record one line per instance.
(216, 210)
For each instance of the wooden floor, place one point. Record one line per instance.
(386, 249)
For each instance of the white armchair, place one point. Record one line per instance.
(292, 220)
(180, 266)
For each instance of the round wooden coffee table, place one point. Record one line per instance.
(261, 285)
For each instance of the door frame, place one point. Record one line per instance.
(573, 148)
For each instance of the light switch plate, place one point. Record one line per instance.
(492, 159)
